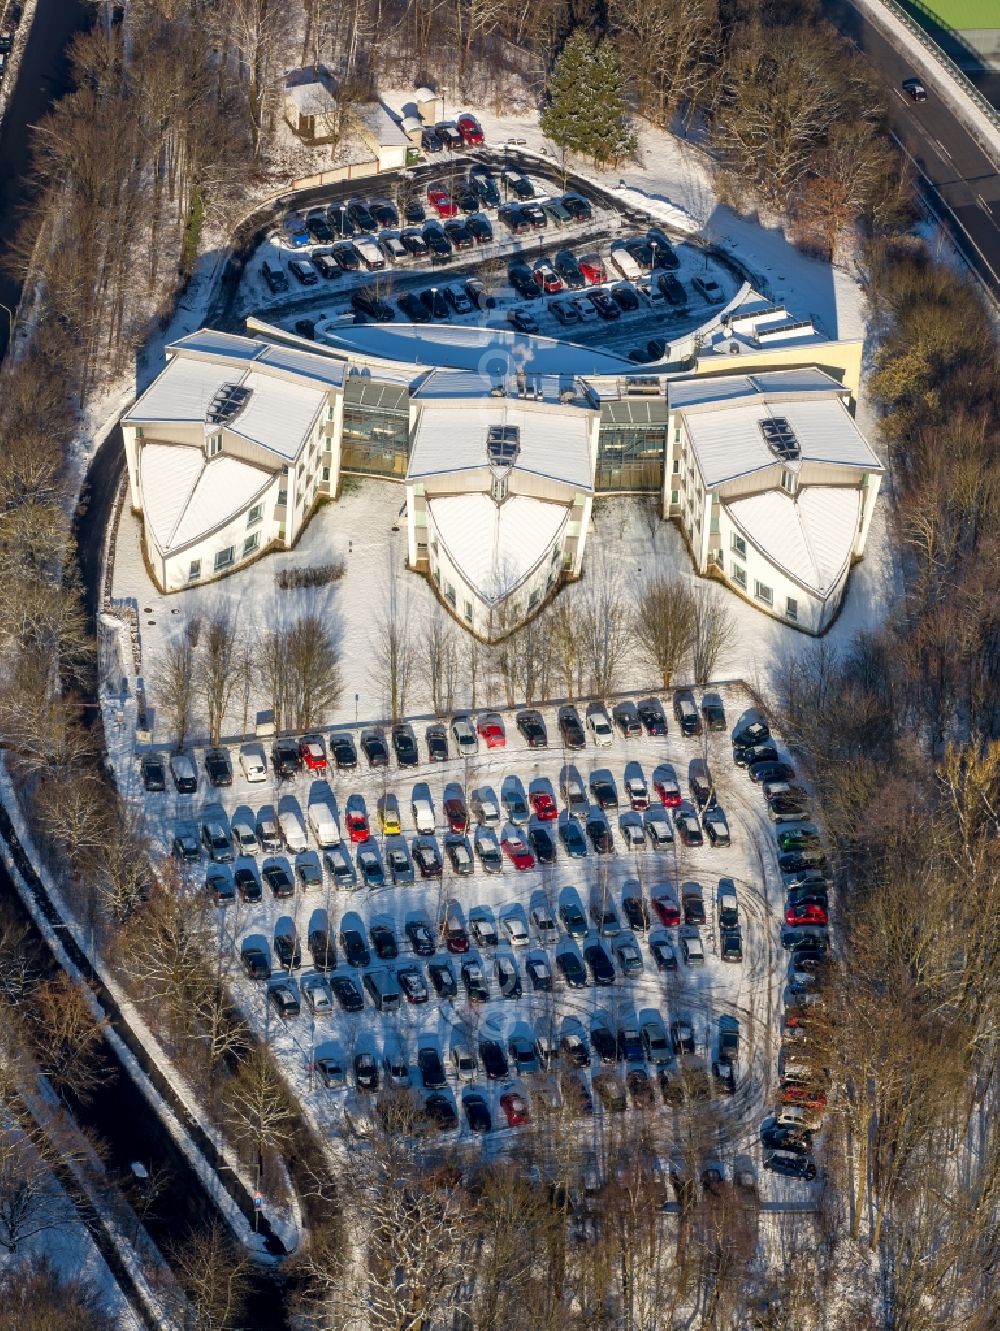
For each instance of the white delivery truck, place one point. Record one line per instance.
(325, 827)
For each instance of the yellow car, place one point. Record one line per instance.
(388, 816)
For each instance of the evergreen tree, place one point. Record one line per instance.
(588, 114)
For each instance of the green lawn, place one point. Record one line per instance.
(959, 14)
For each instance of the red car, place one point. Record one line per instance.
(471, 130)
(456, 813)
(312, 751)
(794, 1093)
(593, 269)
(667, 909)
(440, 200)
(666, 786)
(491, 730)
(516, 850)
(356, 819)
(807, 912)
(515, 1107)
(548, 279)
(544, 805)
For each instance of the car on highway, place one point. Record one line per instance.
(914, 89)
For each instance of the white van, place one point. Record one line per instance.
(324, 825)
(292, 831)
(422, 809)
(371, 256)
(625, 264)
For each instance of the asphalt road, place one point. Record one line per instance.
(962, 184)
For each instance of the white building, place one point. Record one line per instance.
(773, 485)
(499, 490)
(231, 449)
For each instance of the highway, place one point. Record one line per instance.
(960, 182)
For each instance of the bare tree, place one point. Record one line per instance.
(392, 648)
(438, 660)
(314, 676)
(214, 1271)
(34, 1296)
(563, 631)
(217, 671)
(258, 1115)
(175, 683)
(605, 623)
(272, 672)
(664, 626)
(65, 1037)
(713, 630)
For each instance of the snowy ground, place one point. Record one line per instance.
(751, 991)
(360, 528)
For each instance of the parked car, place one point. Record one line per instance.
(716, 826)
(709, 290)
(570, 727)
(686, 712)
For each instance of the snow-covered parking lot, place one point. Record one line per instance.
(697, 995)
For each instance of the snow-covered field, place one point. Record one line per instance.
(751, 991)
(359, 527)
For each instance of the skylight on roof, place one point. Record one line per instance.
(780, 438)
(503, 443)
(229, 401)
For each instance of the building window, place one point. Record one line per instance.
(255, 515)
(326, 475)
(740, 576)
(675, 496)
(556, 555)
(677, 434)
(223, 558)
(282, 498)
(194, 571)
(791, 608)
(763, 593)
(467, 611)
(714, 527)
(449, 594)
(677, 465)
(251, 543)
(498, 489)
(788, 481)
(738, 546)
(138, 432)
(213, 445)
(534, 598)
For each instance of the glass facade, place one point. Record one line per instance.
(632, 445)
(376, 433)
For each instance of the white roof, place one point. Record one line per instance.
(311, 99)
(495, 546)
(728, 441)
(467, 347)
(554, 442)
(279, 413)
(184, 496)
(730, 387)
(809, 537)
(288, 389)
(376, 119)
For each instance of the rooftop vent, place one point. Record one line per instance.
(228, 402)
(503, 443)
(780, 438)
(642, 385)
